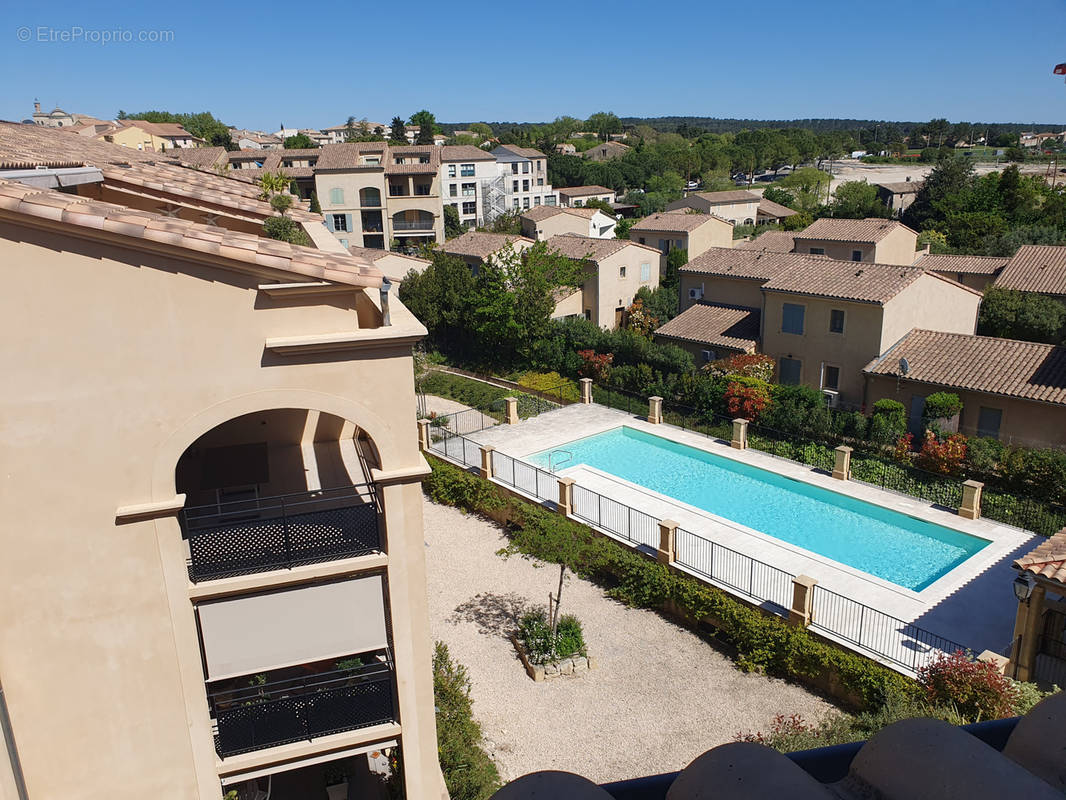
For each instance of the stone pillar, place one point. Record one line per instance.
(423, 435)
(586, 390)
(512, 410)
(802, 611)
(566, 496)
(1027, 629)
(740, 434)
(842, 467)
(486, 461)
(655, 410)
(667, 537)
(971, 499)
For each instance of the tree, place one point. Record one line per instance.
(427, 126)
(675, 260)
(285, 229)
(481, 129)
(316, 207)
(398, 131)
(300, 141)
(858, 200)
(203, 125)
(777, 195)
(809, 185)
(604, 123)
(272, 183)
(943, 191)
(601, 205)
(452, 226)
(1021, 315)
(661, 303)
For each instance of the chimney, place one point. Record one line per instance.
(36, 106)
(386, 319)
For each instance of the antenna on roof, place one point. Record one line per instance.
(904, 367)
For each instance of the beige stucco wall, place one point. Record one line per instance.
(842, 251)
(716, 289)
(1024, 422)
(553, 226)
(577, 202)
(574, 305)
(122, 359)
(737, 213)
(614, 291)
(713, 233)
(351, 183)
(897, 247)
(978, 282)
(932, 303)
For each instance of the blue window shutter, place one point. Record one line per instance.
(329, 221)
(348, 223)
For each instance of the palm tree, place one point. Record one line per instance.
(272, 183)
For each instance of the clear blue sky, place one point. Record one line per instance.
(313, 65)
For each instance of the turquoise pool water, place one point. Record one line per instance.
(909, 552)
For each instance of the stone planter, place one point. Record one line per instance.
(575, 665)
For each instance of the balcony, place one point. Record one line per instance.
(267, 533)
(413, 225)
(258, 716)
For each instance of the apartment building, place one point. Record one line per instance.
(822, 320)
(544, 222)
(221, 585)
(467, 175)
(297, 164)
(577, 196)
(1010, 390)
(695, 233)
(381, 197)
(521, 183)
(339, 133)
(873, 240)
(737, 207)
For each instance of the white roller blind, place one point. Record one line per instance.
(246, 635)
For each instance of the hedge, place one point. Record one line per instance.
(762, 643)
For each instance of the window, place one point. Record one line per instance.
(988, 422)
(640, 240)
(540, 181)
(817, 251)
(422, 189)
(664, 245)
(397, 190)
(370, 198)
(792, 318)
(677, 243)
(525, 202)
(336, 197)
(549, 199)
(536, 200)
(469, 190)
(470, 208)
(856, 255)
(451, 170)
(708, 356)
(621, 272)
(525, 186)
(540, 166)
(525, 167)
(645, 272)
(344, 243)
(340, 222)
(830, 377)
(789, 369)
(836, 320)
(514, 168)
(516, 202)
(588, 313)
(467, 170)
(579, 203)
(453, 190)
(514, 186)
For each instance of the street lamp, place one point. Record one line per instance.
(1023, 587)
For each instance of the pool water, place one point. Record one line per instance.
(909, 552)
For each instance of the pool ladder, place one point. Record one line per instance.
(553, 464)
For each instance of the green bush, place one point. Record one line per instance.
(551, 383)
(534, 631)
(942, 405)
(762, 643)
(569, 637)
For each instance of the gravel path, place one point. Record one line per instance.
(661, 696)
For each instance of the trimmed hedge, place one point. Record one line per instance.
(762, 643)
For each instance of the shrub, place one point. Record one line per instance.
(534, 631)
(795, 409)
(903, 452)
(285, 229)
(851, 424)
(984, 456)
(569, 636)
(976, 688)
(551, 383)
(893, 412)
(942, 405)
(944, 456)
(748, 365)
(746, 398)
(595, 365)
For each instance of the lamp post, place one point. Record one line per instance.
(1023, 588)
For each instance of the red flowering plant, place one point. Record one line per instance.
(639, 320)
(976, 688)
(942, 455)
(904, 452)
(747, 399)
(595, 365)
(747, 365)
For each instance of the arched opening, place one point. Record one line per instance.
(277, 489)
(749, 221)
(370, 197)
(412, 220)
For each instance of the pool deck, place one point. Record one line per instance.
(973, 604)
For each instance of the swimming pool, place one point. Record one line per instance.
(907, 551)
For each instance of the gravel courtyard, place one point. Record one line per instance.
(661, 696)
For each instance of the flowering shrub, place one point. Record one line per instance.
(639, 320)
(595, 365)
(975, 688)
(945, 456)
(747, 400)
(903, 452)
(748, 365)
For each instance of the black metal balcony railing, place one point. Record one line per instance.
(266, 533)
(413, 225)
(301, 709)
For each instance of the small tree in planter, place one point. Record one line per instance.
(942, 411)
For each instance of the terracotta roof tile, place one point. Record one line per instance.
(735, 327)
(1006, 367)
(1036, 268)
(1047, 559)
(771, 241)
(965, 265)
(752, 264)
(902, 187)
(28, 146)
(668, 222)
(464, 152)
(721, 198)
(480, 245)
(847, 280)
(540, 213)
(771, 209)
(833, 229)
(585, 191)
(582, 247)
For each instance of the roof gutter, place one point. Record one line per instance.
(54, 178)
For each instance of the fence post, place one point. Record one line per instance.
(423, 435)
(740, 434)
(842, 467)
(667, 541)
(970, 507)
(486, 461)
(512, 410)
(802, 611)
(655, 410)
(566, 496)
(586, 390)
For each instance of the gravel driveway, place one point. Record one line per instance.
(661, 696)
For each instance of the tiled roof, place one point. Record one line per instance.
(1036, 268)
(834, 229)
(135, 226)
(772, 241)
(28, 146)
(966, 265)
(524, 152)
(736, 327)
(164, 129)
(476, 244)
(669, 221)
(771, 209)
(585, 191)
(464, 152)
(849, 280)
(903, 187)
(582, 247)
(731, 196)
(1007, 367)
(204, 157)
(753, 264)
(1047, 559)
(612, 148)
(347, 155)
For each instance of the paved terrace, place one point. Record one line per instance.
(972, 605)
